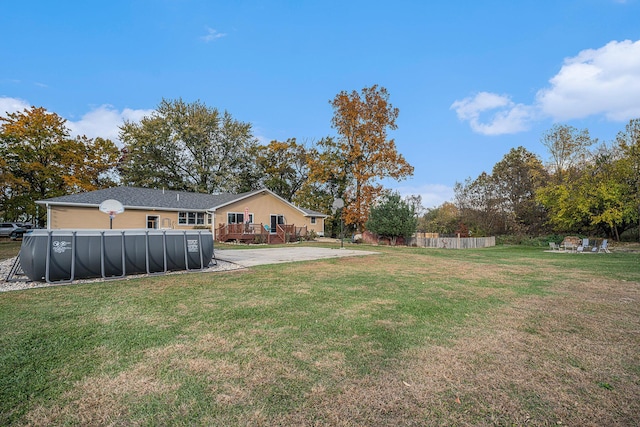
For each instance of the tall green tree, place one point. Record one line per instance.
(563, 197)
(443, 219)
(392, 217)
(191, 147)
(592, 191)
(92, 164)
(517, 177)
(328, 180)
(362, 154)
(41, 160)
(328, 170)
(283, 167)
(598, 199)
(480, 205)
(603, 195)
(628, 142)
(565, 207)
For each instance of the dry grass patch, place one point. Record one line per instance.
(564, 359)
(210, 342)
(103, 400)
(241, 376)
(461, 270)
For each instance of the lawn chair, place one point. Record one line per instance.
(580, 249)
(604, 247)
(554, 246)
(585, 243)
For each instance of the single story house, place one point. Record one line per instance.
(259, 215)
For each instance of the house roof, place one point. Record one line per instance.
(150, 198)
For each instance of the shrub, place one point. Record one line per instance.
(538, 241)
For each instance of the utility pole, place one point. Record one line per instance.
(338, 204)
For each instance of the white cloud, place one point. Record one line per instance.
(504, 115)
(604, 81)
(12, 105)
(433, 195)
(104, 122)
(212, 35)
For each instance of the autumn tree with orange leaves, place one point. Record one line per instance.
(40, 160)
(354, 163)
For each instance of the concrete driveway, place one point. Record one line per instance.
(251, 257)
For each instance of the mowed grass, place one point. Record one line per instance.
(500, 336)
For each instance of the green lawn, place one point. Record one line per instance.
(407, 337)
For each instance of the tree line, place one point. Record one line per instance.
(585, 187)
(193, 147)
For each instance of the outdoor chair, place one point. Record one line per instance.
(585, 243)
(580, 249)
(604, 247)
(554, 246)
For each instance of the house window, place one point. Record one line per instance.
(191, 218)
(152, 221)
(238, 218)
(313, 220)
(235, 218)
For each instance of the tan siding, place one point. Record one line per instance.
(318, 227)
(262, 206)
(92, 218)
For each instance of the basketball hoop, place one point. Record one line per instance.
(112, 208)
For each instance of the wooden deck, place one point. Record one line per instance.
(257, 233)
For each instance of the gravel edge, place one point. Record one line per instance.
(5, 268)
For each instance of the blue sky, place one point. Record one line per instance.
(472, 79)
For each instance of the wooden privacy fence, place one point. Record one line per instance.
(453, 242)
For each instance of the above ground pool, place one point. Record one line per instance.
(67, 255)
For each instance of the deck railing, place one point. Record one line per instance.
(284, 233)
(240, 231)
